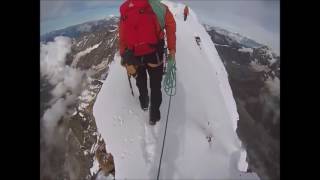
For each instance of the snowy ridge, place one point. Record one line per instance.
(201, 141)
(215, 61)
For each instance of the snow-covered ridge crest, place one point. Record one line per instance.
(214, 58)
(201, 141)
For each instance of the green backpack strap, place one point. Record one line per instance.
(159, 9)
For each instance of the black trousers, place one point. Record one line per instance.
(155, 75)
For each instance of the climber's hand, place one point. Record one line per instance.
(172, 55)
(131, 70)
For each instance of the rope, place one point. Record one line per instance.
(169, 85)
(160, 10)
(165, 132)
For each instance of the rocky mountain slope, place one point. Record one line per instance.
(254, 76)
(71, 155)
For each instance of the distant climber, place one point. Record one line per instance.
(209, 137)
(186, 12)
(198, 40)
(147, 20)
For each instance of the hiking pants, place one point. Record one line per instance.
(155, 76)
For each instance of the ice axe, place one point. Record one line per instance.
(129, 78)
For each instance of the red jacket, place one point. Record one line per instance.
(170, 28)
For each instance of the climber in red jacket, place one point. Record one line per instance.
(186, 12)
(142, 30)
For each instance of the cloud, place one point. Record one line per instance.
(273, 86)
(50, 10)
(67, 81)
(270, 97)
(52, 58)
(53, 9)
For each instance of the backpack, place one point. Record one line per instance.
(139, 23)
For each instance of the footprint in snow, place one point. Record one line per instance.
(121, 121)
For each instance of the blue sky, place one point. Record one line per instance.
(256, 19)
(58, 14)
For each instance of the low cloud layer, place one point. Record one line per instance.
(67, 81)
(270, 97)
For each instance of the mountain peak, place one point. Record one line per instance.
(233, 37)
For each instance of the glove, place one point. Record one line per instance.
(172, 55)
(131, 70)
